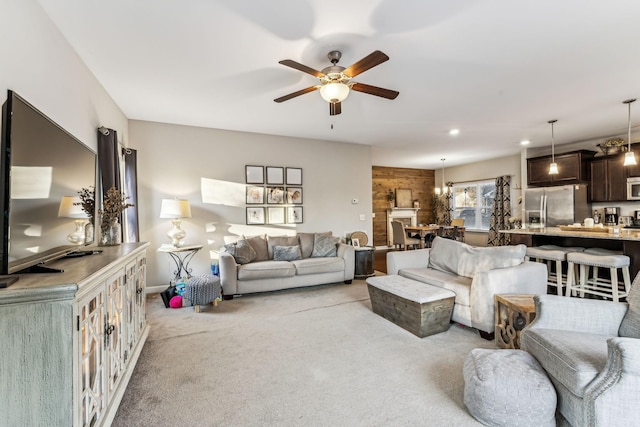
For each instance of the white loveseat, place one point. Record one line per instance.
(270, 263)
(474, 274)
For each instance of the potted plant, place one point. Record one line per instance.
(113, 204)
(391, 197)
(88, 204)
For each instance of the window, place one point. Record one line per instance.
(473, 202)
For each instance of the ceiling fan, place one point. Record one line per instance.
(335, 81)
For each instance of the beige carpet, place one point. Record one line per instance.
(309, 357)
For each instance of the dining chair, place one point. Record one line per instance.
(458, 222)
(400, 238)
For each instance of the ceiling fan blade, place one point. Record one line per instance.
(335, 108)
(298, 93)
(369, 61)
(374, 90)
(298, 66)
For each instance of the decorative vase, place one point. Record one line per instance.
(88, 233)
(111, 235)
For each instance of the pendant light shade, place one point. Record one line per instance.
(629, 157)
(444, 189)
(553, 167)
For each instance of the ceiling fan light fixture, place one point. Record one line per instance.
(334, 92)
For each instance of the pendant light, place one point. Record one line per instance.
(629, 156)
(553, 167)
(444, 189)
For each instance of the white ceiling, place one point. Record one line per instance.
(496, 69)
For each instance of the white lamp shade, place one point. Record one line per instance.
(69, 210)
(629, 158)
(175, 208)
(334, 92)
(553, 168)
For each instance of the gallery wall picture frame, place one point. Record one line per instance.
(254, 174)
(255, 215)
(275, 175)
(255, 195)
(294, 176)
(275, 195)
(275, 215)
(403, 198)
(294, 195)
(294, 215)
(355, 242)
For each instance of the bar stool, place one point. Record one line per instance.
(549, 256)
(594, 284)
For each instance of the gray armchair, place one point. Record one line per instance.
(591, 351)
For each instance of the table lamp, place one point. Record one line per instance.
(71, 207)
(175, 209)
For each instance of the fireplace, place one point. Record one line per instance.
(408, 216)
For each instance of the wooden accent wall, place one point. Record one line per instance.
(422, 185)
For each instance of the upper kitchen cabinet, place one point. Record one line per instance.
(573, 168)
(608, 179)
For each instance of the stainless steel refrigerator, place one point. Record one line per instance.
(554, 206)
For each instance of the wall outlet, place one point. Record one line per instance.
(361, 217)
(354, 201)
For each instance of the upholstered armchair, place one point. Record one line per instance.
(591, 351)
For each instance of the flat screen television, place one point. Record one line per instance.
(40, 163)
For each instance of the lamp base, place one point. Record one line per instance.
(176, 234)
(77, 237)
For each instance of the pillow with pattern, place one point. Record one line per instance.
(324, 246)
(286, 253)
(242, 251)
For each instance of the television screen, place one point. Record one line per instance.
(41, 164)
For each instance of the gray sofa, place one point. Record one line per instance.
(590, 350)
(270, 263)
(475, 274)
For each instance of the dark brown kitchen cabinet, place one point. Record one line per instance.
(608, 179)
(573, 168)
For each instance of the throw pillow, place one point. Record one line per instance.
(630, 326)
(306, 242)
(259, 244)
(241, 251)
(324, 246)
(286, 253)
(273, 241)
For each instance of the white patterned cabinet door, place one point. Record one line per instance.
(115, 330)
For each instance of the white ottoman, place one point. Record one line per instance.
(508, 388)
(419, 308)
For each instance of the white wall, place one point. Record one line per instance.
(39, 65)
(174, 160)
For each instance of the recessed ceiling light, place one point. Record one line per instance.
(454, 131)
(525, 142)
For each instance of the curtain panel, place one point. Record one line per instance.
(500, 213)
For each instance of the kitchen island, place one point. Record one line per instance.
(626, 240)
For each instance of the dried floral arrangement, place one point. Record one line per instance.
(113, 204)
(88, 202)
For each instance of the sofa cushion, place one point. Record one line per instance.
(241, 251)
(630, 325)
(286, 253)
(324, 246)
(259, 244)
(572, 358)
(306, 242)
(465, 260)
(318, 265)
(273, 241)
(266, 270)
(460, 285)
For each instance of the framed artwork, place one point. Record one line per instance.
(255, 195)
(275, 195)
(294, 195)
(254, 174)
(355, 242)
(255, 216)
(403, 198)
(275, 215)
(275, 175)
(294, 215)
(294, 176)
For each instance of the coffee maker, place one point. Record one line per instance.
(611, 215)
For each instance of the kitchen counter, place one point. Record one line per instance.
(626, 240)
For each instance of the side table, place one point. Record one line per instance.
(181, 257)
(364, 262)
(512, 313)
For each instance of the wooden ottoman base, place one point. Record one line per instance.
(419, 308)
